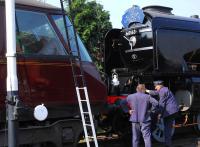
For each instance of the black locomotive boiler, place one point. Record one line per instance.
(156, 44)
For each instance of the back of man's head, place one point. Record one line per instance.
(141, 88)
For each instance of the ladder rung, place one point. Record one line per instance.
(84, 100)
(72, 51)
(88, 125)
(77, 57)
(70, 38)
(85, 112)
(80, 87)
(90, 137)
(70, 26)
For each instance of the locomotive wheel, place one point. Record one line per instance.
(158, 132)
(196, 119)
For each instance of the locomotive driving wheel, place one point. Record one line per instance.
(158, 132)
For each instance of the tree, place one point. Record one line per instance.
(91, 23)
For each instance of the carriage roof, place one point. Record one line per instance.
(35, 3)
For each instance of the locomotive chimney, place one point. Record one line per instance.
(158, 9)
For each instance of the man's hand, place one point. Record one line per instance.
(131, 111)
(159, 117)
(147, 91)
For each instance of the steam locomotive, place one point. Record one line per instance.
(45, 76)
(155, 44)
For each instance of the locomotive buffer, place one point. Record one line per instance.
(80, 85)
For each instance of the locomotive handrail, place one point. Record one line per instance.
(139, 49)
(149, 29)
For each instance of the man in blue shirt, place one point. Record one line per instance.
(141, 104)
(168, 108)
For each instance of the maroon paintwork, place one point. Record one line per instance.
(48, 80)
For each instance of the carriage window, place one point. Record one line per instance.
(83, 51)
(35, 35)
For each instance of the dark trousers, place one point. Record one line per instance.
(145, 130)
(168, 125)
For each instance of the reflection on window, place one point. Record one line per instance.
(59, 22)
(179, 48)
(36, 36)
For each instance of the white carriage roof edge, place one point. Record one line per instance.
(36, 3)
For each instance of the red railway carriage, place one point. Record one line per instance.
(45, 75)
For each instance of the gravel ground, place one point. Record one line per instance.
(180, 140)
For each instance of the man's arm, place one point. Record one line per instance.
(152, 92)
(162, 101)
(154, 103)
(124, 105)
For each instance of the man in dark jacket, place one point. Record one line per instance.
(140, 104)
(168, 108)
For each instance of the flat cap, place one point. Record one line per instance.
(158, 82)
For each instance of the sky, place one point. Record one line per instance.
(116, 8)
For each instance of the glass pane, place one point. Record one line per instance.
(83, 51)
(35, 35)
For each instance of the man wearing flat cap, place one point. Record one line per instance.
(168, 108)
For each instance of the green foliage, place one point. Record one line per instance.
(91, 23)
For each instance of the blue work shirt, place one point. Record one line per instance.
(141, 104)
(167, 102)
